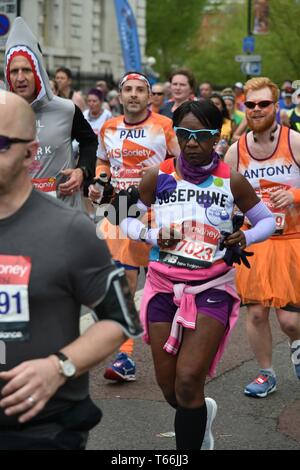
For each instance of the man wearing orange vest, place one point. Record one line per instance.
(269, 157)
(128, 145)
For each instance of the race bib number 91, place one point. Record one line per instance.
(14, 306)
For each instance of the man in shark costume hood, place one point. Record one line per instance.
(59, 121)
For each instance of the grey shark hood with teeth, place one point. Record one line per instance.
(54, 117)
(21, 41)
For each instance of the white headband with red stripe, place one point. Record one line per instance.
(134, 76)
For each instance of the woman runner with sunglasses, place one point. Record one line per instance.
(189, 304)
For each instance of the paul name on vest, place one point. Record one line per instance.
(188, 195)
(132, 134)
(267, 171)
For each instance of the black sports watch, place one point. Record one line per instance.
(66, 366)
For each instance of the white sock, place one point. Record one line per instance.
(269, 371)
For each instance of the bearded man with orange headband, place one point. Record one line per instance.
(129, 144)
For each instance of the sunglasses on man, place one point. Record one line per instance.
(261, 104)
(157, 93)
(200, 135)
(7, 142)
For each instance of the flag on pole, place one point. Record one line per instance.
(261, 17)
(129, 38)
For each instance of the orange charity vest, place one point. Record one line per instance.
(128, 148)
(277, 171)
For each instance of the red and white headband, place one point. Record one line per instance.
(134, 76)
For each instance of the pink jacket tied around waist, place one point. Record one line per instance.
(160, 279)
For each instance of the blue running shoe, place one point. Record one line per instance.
(208, 440)
(262, 386)
(121, 370)
(295, 356)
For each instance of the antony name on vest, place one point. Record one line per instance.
(268, 171)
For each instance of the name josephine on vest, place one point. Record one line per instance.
(207, 198)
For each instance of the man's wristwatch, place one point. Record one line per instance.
(66, 366)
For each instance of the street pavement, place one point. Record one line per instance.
(135, 415)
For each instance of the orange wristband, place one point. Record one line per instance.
(296, 193)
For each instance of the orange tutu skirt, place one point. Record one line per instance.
(122, 248)
(274, 277)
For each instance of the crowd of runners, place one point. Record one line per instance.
(185, 178)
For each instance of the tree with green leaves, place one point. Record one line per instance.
(206, 37)
(171, 27)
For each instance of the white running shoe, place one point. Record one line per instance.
(208, 441)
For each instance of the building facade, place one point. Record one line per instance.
(81, 35)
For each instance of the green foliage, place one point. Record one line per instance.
(180, 34)
(171, 26)
(280, 48)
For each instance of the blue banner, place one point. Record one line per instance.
(128, 36)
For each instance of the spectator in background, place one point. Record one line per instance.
(168, 91)
(286, 106)
(205, 90)
(63, 77)
(294, 114)
(226, 131)
(54, 87)
(103, 87)
(183, 86)
(235, 115)
(158, 97)
(114, 104)
(95, 114)
(238, 90)
(287, 85)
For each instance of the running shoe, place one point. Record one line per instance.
(262, 386)
(208, 441)
(295, 356)
(121, 370)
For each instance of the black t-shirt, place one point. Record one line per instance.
(69, 267)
